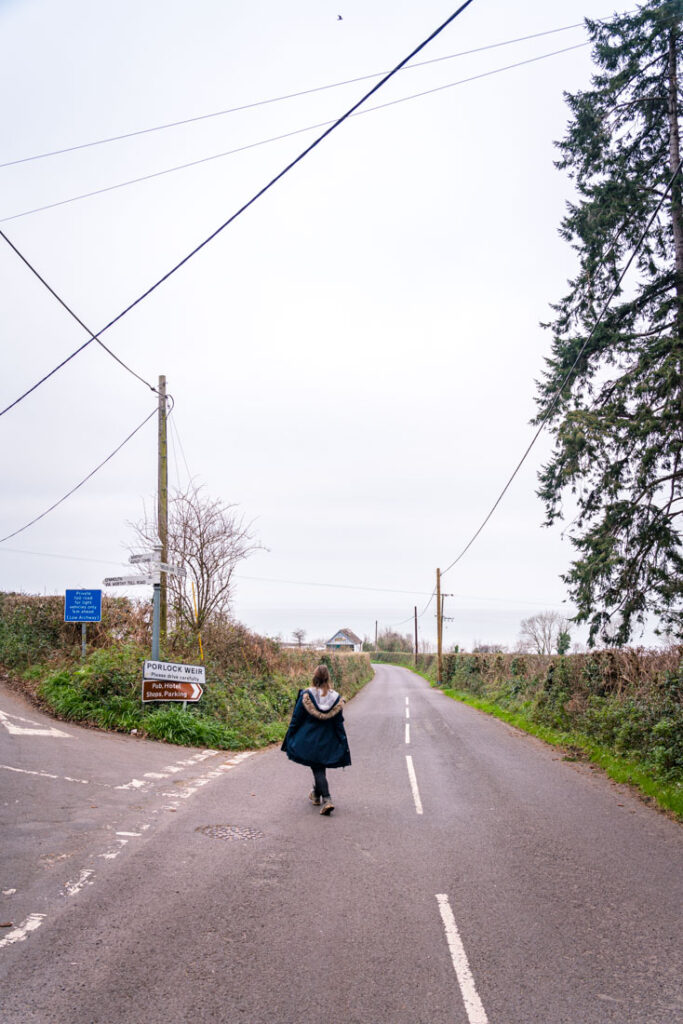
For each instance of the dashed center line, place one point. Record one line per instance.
(407, 733)
(413, 784)
(470, 997)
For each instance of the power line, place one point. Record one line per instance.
(558, 393)
(93, 337)
(83, 481)
(54, 554)
(301, 583)
(334, 586)
(278, 138)
(277, 99)
(262, 191)
(174, 429)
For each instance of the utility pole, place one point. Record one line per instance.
(439, 652)
(375, 634)
(162, 505)
(415, 611)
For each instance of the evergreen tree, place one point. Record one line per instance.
(618, 425)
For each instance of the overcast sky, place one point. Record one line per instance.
(353, 360)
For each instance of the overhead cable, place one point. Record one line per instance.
(93, 337)
(83, 481)
(299, 583)
(277, 138)
(278, 99)
(570, 372)
(262, 191)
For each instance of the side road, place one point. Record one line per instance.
(467, 875)
(72, 798)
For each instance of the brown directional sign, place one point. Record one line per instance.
(170, 689)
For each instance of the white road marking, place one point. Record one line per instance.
(170, 769)
(133, 784)
(407, 732)
(32, 922)
(72, 888)
(407, 702)
(470, 997)
(413, 784)
(43, 775)
(407, 712)
(86, 876)
(37, 730)
(113, 854)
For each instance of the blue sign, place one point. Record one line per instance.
(83, 606)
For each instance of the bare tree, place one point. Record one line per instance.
(299, 635)
(479, 647)
(543, 632)
(208, 539)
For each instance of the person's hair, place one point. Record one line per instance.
(321, 677)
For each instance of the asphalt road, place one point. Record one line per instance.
(468, 875)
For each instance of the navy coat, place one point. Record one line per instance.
(315, 736)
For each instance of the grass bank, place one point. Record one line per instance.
(619, 709)
(251, 685)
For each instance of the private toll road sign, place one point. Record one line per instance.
(83, 606)
(166, 680)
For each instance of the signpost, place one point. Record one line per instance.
(153, 575)
(169, 681)
(161, 680)
(83, 606)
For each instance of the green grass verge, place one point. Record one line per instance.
(669, 795)
(122, 713)
(237, 711)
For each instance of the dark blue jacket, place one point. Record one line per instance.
(315, 736)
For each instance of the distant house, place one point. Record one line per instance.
(344, 640)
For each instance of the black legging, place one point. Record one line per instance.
(320, 779)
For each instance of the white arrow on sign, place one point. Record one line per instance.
(37, 730)
(127, 581)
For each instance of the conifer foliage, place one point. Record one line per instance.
(618, 426)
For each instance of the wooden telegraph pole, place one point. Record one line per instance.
(439, 626)
(415, 612)
(162, 503)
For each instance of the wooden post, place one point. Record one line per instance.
(162, 504)
(439, 652)
(415, 612)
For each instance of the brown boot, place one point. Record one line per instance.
(327, 806)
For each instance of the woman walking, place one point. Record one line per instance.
(316, 735)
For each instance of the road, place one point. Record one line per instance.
(468, 875)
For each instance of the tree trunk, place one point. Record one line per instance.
(676, 207)
(674, 160)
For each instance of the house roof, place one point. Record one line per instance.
(349, 634)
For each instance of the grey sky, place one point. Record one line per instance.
(352, 361)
